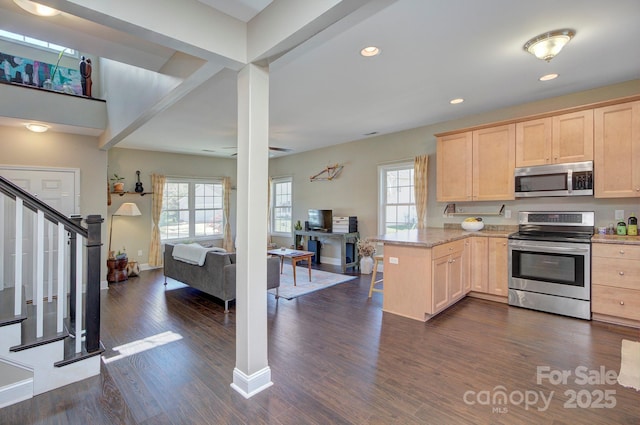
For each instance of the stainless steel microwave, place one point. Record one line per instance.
(571, 179)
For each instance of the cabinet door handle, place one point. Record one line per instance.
(621, 302)
(621, 273)
(621, 252)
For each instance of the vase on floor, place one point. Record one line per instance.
(366, 265)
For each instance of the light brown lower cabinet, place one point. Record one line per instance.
(615, 291)
(488, 267)
(421, 282)
(498, 267)
(448, 272)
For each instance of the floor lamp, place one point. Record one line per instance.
(128, 209)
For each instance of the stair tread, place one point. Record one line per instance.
(7, 317)
(49, 334)
(10, 374)
(70, 356)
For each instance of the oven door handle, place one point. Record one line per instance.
(550, 249)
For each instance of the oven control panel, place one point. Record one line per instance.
(573, 218)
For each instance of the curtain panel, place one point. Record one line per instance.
(420, 171)
(155, 250)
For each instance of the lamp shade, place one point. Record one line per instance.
(128, 209)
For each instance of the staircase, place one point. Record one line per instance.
(49, 296)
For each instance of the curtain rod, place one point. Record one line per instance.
(398, 160)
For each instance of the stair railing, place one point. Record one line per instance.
(78, 236)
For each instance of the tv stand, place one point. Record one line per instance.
(345, 238)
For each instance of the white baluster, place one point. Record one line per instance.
(79, 312)
(18, 260)
(39, 274)
(2, 218)
(34, 261)
(50, 262)
(61, 294)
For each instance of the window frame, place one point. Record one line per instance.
(272, 202)
(382, 192)
(191, 208)
(47, 46)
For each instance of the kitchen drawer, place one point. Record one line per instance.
(631, 252)
(447, 248)
(618, 302)
(616, 272)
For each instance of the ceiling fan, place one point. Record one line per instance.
(271, 148)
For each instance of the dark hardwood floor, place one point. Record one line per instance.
(337, 359)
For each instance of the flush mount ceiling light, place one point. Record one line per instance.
(456, 101)
(370, 51)
(37, 128)
(36, 8)
(546, 46)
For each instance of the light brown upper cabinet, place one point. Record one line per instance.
(494, 163)
(476, 165)
(555, 140)
(454, 163)
(617, 151)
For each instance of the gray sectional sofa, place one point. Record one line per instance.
(217, 276)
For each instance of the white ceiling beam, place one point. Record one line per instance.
(285, 24)
(186, 25)
(108, 139)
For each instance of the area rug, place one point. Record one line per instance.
(629, 375)
(319, 280)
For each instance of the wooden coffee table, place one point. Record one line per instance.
(295, 255)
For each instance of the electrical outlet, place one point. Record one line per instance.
(619, 214)
(507, 213)
(139, 253)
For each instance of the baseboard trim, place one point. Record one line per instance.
(248, 386)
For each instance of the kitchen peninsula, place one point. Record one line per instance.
(426, 271)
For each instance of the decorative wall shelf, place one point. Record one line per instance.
(472, 213)
(132, 193)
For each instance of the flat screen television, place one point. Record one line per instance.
(320, 220)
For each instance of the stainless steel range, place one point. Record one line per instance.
(550, 262)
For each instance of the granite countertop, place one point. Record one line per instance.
(433, 236)
(623, 240)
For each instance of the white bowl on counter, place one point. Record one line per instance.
(472, 226)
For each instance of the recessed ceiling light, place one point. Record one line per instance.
(36, 8)
(37, 128)
(370, 51)
(456, 101)
(548, 77)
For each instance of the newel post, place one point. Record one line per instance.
(73, 240)
(92, 318)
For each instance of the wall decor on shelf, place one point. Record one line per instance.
(139, 188)
(118, 184)
(329, 173)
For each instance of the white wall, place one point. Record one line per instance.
(21, 147)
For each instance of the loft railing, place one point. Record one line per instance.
(71, 233)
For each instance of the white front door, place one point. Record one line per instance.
(58, 189)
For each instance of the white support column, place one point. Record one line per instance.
(18, 259)
(252, 373)
(39, 253)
